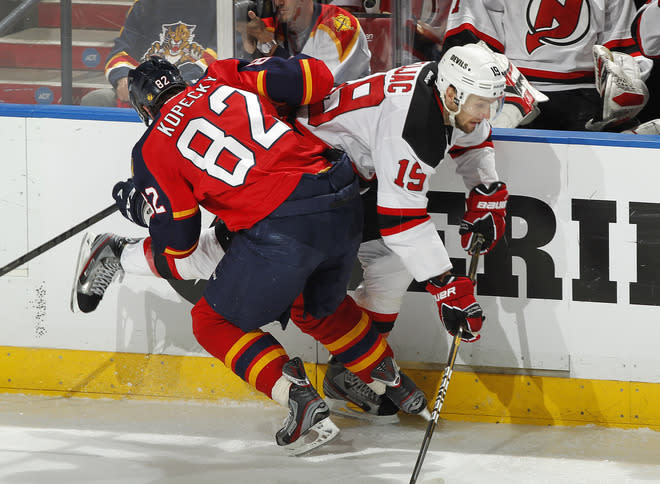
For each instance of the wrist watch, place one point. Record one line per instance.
(266, 47)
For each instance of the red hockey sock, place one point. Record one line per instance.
(160, 264)
(384, 323)
(348, 334)
(257, 357)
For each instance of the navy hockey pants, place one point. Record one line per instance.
(307, 246)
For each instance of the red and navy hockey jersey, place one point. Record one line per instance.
(219, 145)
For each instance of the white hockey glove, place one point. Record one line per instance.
(650, 127)
(619, 83)
(521, 98)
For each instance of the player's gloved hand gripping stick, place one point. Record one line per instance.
(442, 391)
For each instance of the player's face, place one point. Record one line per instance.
(288, 10)
(475, 110)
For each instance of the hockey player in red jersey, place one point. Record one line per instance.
(299, 217)
(579, 53)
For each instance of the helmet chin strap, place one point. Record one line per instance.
(452, 115)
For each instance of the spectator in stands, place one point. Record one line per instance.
(326, 32)
(181, 32)
(553, 46)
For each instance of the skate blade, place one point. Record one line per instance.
(345, 409)
(83, 255)
(317, 435)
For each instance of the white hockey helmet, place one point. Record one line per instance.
(471, 69)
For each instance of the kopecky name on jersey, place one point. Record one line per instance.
(173, 117)
(492, 205)
(402, 80)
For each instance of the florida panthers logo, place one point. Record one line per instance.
(342, 23)
(556, 22)
(176, 44)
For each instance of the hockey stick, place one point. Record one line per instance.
(440, 399)
(58, 240)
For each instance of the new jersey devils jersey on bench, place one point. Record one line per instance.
(222, 147)
(646, 29)
(335, 36)
(391, 126)
(549, 41)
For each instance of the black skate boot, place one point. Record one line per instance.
(400, 388)
(349, 396)
(308, 424)
(97, 266)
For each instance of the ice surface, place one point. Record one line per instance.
(74, 440)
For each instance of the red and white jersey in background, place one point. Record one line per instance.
(549, 41)
(646, 29)
(391, 126)
(336, 38)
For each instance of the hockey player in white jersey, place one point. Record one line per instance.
(402, 124)
(646, 33)
(396, 127)
(579, 53)
(646, 29)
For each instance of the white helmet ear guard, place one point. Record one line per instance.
(469, 69)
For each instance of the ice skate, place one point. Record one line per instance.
(349, 396)
(308, 424)
(98, 265)
(401, 389)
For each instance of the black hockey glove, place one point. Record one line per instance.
(132, 203)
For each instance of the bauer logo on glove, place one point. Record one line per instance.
(457, 306)
(491, 205)
(486, 215)
(445, 294)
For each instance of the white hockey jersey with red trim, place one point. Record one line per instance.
(550, 41)
(391, 126)
(646, 29)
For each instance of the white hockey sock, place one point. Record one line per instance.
(202, 262)
(280, 391)
(133, 260)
